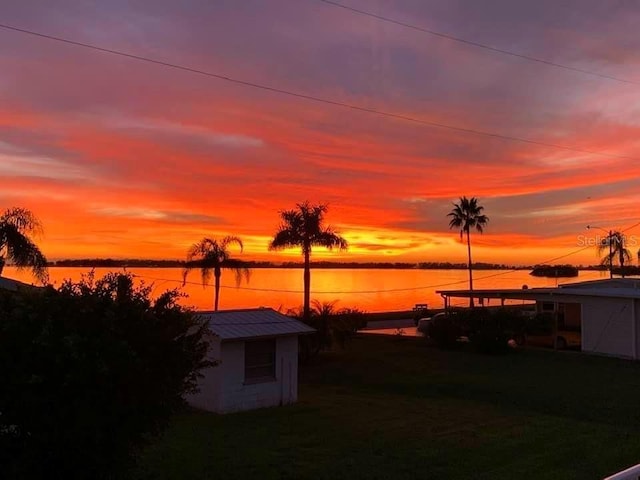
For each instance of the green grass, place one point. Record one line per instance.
(394, 408)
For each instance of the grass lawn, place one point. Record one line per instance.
(393, 408)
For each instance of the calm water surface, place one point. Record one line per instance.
(370, 290)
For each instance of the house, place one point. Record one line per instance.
(257, 351)
(606, 312)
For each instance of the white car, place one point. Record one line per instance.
(423, 325)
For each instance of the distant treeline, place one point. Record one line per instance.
(144, 263)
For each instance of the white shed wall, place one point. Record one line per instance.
(608, 326)
(226, 391)
(208, 397)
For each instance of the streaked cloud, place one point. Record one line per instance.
(152, 214)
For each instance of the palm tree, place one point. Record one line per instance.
(304, 227)
(16, 226)
(613, 249)
(467, 215)
(212, 255)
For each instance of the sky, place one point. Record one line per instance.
(125, 159)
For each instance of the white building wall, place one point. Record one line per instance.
(208, 397)
(608, 326)
(226, 391)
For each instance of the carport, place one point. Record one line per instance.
(609, 316)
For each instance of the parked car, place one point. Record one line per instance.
(423, 323)
(565, 339)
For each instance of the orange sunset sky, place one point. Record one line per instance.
(122, 158)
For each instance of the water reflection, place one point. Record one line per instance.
(280, 288)
(399, 332)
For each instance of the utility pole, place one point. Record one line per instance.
(609, 240)
(610, 254)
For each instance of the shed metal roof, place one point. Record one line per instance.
(11, 284)
(253, 323)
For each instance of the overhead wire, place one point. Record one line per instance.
(343, 292)
(477, 44)
(313, 98)
(334, 103)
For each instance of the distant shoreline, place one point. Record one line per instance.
(146, 263)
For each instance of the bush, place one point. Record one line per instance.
(333, 327)
(445, 331)
(491, 329)
(422, 313)
(88, 373)
(489, 339)
(488, 330)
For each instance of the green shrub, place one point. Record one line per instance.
(444, 331)
(422, 313)
(489, 339)
(492, 329)
(488, 330)
(334, 327)
(88, 373)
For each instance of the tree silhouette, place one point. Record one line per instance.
(304, 227)
(467, 215)
(17, 225)
(210, 255)
(614, 250)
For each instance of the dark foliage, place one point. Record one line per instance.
(488, 330)
(444, 331)
(334, 327)
(88, 373)
(418, 314)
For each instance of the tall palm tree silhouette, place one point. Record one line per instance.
(17, 225)
(210, 255)
(614, 250)
(304, 227)
(467, 215)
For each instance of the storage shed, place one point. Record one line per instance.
(257, 351)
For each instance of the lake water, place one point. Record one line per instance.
(370, 290)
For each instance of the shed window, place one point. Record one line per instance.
(260, 360)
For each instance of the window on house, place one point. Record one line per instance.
(548, 307)
(260, 360)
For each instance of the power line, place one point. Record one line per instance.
(313, 98)
(333, 292)
(629, 228)
(342, 292)
(478, 44)
(568, 254)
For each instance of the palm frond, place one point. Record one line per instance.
(285, 238)
(330, 240)
(24, 220)
(228, 240)
(210, 255)
(23, 252)
(324, 309)
(467, 215)
(612, 249)
(239, 268)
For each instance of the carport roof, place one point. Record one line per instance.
(543, 293)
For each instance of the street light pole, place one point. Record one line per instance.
(610, 255)
(609, 239)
